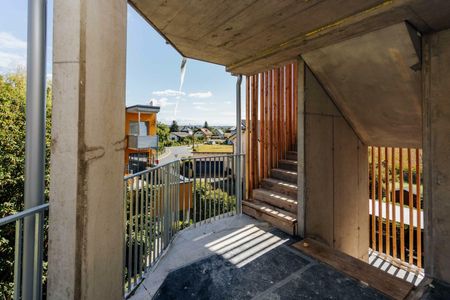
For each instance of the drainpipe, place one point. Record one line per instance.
(238, 145)
(35, 139)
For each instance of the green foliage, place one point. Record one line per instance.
(12, 164)
(206, 125)
(174, 127)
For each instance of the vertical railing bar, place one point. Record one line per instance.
(194, 168)
(18, 260)
(228, 186)
(206, 190)
(402, 207)
(418, 205)
(411, 214)
(130, 234)
(189, 194)
(183, 192)
(37, 259)
(125, 209)
(380, 201)
(211, 184)
(232, 169)
(161, 180)
(141, 222)
(146, 221)
(152, 217)
(136, 229)
(215, 186)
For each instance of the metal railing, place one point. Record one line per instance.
(163, 200)
(34, 215)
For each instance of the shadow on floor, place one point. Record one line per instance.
(244, 269)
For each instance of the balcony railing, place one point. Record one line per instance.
(29, 289)
(143, 142)
(396, 202)
(161, 201)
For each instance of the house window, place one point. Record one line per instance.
(137, 162)
(138, 128)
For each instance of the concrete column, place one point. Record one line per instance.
(86, 205)
(436, 151)
(336, 197)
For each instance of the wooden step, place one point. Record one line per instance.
(287, 164)
(292, 155)
(276, 199)
(391, 286)
(284, 175)
(279, 218)
(280, 186)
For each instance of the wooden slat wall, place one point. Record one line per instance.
(271, 121)
(392, 235)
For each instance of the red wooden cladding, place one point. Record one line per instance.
(271, 120)
(391, 233)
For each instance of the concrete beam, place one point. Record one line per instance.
(436, 151)
(86, 205)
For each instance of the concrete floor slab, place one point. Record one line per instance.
(242, 258)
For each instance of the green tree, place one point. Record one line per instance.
(174, 126)
(12, 164)
(163, 132)
(206, 125)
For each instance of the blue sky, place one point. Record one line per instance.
(153, 70)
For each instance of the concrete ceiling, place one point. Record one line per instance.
(248, 36)
(372, 80)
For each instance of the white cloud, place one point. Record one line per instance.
(199, 103)
(162, 102)
(168, 93)
(8, 41)
(227, 102)
(202, 108)
(11, 61)
(201, 94)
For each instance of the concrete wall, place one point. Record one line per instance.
(336, 174)
(88, 140)
(436, 137)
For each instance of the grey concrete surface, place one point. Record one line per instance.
(241, 258)
(436, 134)
(372, 82)
(88, 125)
(336, 175)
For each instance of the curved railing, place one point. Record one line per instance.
(27, 217)
(161, 201)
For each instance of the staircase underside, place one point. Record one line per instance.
(275, 201)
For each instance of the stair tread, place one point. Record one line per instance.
(277, 195)
(285, 184)
(285, 171)
(288, 161)
(272, 211)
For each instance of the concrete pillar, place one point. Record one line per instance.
(336, 196)
(436, 151)
(86, 205)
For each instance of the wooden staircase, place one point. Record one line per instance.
(275, 201)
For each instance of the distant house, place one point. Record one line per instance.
(218, 133)
(186, 129)
(243, 127)
(178, 136)
(203, 133)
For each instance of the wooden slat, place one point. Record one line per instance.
(266, 122)
(402, 203)
(410, 204)
(296, 121)
(275, 117)
(387, 204)
(271, 125)
(380, 201)
(288, 108)
(262, 140)
(394, 217)
(385, 283)
(254, 132)
(418, 196)
(247, 135)
(373, 236)
(281, 125)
